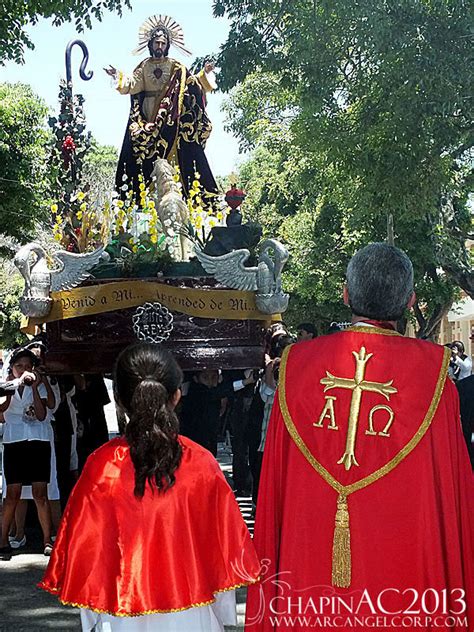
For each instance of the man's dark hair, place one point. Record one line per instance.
(379, 282)
(281, 343)
(23, 353)
(459, 346)
(309, 328)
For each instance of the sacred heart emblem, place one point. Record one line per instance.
(158, 73)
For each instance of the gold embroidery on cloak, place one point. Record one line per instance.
(341, 556)
(357, 385)
(328, 413)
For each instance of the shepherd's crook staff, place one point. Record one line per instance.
(85, 59)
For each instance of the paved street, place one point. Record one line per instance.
(25, 607)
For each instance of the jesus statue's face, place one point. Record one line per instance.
(159, 44)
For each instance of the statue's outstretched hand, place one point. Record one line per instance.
(111, 71)
(209, 66)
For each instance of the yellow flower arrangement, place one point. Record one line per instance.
(123, 218)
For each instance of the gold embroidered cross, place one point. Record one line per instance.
(357, 385)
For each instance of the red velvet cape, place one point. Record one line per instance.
(165, 552)
(411, 529)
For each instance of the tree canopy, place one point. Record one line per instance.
(16, 16)
(24, 169)
(364, 110)
(11, 288)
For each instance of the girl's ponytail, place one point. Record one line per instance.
(146, 380)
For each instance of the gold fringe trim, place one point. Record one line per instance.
(55, 591)
(345, 490)
(364, 329)
(182, 89)
(341, 548)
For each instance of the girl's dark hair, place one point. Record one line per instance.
(459, 345)
(23, 353)
(145, 379)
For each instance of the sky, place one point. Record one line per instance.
(111, 42)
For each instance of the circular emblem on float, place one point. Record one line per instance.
(152, 322)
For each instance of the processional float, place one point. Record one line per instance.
(155, 260)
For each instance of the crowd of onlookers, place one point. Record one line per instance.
(52, 424)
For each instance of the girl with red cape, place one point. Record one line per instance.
(152, 530)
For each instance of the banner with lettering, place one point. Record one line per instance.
(108, 297)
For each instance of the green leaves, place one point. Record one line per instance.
(363, 108)
(11, 288)
(24, 171)
(16, 16)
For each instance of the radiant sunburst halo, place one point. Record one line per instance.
(170, 26)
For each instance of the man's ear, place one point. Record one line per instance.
(345, 294)
(411, 300)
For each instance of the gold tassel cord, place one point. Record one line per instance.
(341, 550)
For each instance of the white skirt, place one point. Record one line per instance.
(210, 618)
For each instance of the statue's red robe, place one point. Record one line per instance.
(409, 501)
(165, 552)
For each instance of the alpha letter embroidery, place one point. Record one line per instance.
(328, 411)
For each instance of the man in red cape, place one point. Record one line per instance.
(365, 515)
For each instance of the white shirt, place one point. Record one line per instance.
(465, 367)
(20, 420)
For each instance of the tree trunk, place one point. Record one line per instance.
(428, 329)
(462, 277)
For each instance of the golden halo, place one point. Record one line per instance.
(170, 26)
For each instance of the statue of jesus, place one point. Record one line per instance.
(167, 115)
